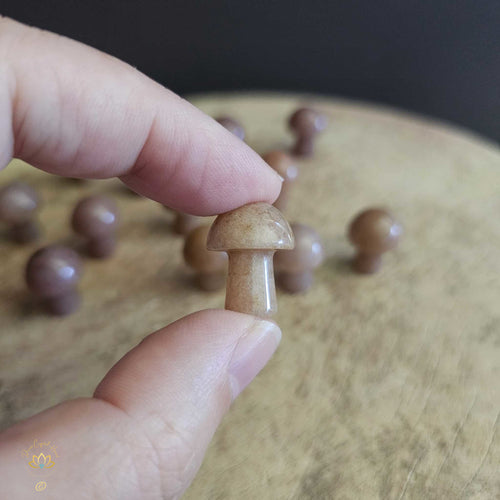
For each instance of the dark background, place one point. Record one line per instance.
(440, 57)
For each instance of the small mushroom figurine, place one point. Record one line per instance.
(286, 166)
(96, 218)
(294, 268)
(250, 235)
(373, 232)
(52, 273)
(210, 266)
(232, 125)
(306, 124)
(19, 203)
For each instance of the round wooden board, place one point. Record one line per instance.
(383, 387)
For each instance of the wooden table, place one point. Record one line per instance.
(384, 386)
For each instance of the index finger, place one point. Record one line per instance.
(72, 110)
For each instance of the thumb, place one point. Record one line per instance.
(179, 382)
(146, 430)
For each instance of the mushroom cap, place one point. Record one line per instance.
(307, 121)
(374, 231)
(256, 226)
(198, 257)
(53, 270)
(232, 125)
(95, 216)
(307, 254)
(283, 163)
(18, 202)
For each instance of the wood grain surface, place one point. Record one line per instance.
(383, 387)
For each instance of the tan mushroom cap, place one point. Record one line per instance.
(256, 226)
(283, 163)
(307, 254)
(375, 231)
(198, 257)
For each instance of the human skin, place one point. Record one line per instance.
(72, 110)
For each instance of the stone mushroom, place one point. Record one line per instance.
(96, 218)
(373, 232)
(19, 203)
(306, 124)
(232, 125)
(294, 268)
(210, 266)
(285, 166)
(250, 235)
(52, 273)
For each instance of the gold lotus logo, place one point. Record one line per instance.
(43, 455)
(41, 462)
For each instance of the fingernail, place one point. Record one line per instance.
(282, 179)
(252, 353)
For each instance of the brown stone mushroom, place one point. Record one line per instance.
(306, 123)
(96, 218)
(232, 125)
(250, 235)
(19, 203)
(52, 273)
(373, 232)
(286, 166)
(294, 268)
(210, 266)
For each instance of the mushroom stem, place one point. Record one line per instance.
(25, 232)
(100, 248)
(304, 146)
(250, 283)
(63, 304)
(366, 263)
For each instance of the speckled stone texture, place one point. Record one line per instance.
(384, 386)
(251, 234)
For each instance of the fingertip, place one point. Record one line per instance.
(252, 353)
(154, 414)
(217, 350)
(78, 112)
(209, 171)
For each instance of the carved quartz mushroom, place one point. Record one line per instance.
(52, 274)
(294, 268)
(96, 219)
(306, 124)
(285, 166)
(373, 232)
(210, 266)
(250, 235)
(19, 203)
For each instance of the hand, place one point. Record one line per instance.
(71, 110)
